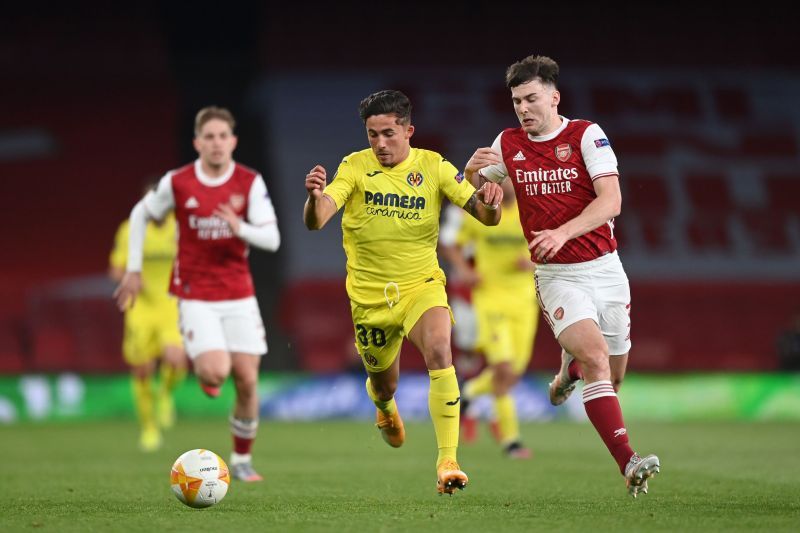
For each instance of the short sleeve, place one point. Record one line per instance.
(452, 183)
(597, 153)
(496, 173)
(342, 185)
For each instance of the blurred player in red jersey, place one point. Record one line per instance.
(567, 186)
(221, 208)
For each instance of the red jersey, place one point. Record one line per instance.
(211, 264)
(553, 180)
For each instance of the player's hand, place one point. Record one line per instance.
(468, 277)
(316, 179)
(482, 158)
(127, 290)
(546, 244)
(491, 194)
(226, 213)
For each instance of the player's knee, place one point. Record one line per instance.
(616, 382)
(595, 361)
(438, 355)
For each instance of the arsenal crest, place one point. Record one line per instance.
(237, 201)
(414, 179)
(563, 151)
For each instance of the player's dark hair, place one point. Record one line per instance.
(530, 68)
(386, 103)
(210, 113)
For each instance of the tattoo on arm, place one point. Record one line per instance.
(471, 206)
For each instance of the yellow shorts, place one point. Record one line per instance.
(380, 329)
(506, 329)
(148, 330)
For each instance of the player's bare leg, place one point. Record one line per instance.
(244, 421)
(381, 387)
(212, 369)
(431, 336)
(586, 343)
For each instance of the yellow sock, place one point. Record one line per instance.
(171, 377)
(479, 385)
(443, 402)
(388, 407)
(143, 401)
(506, 412)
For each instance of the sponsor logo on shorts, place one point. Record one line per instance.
(563, 151)
(190, 335)
(559, 313)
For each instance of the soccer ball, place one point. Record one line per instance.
(200, 478)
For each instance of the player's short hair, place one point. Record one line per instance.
(210, 113)
(530, 68)
(386, 103)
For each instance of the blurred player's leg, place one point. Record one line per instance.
(473, 388)
(244, 422)
(172, 373)
(150, 436)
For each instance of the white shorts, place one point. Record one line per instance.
(596, 289)
(230, 325)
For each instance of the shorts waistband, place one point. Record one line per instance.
(574, 267)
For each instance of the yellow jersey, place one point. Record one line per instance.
(160, 247)
(390, 223)
(498, 252)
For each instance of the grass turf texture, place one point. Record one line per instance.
(340, 476)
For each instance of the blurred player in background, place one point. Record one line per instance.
(507, 316)
(151, 329)
(221, 208)
(391, 194)
(566, 181)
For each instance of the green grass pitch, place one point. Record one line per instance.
(340, 476)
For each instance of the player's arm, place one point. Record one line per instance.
(486, 164)
(319, 207)
(261, 228)
(607, 205)
(484, 204)
(154, 205)
(119, 254)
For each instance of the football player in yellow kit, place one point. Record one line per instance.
(151, 330)
(504, 301)
(392, 196)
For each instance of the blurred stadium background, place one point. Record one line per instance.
(700, 106)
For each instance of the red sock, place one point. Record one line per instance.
(241, 445)
(574, 370)
(602, 407)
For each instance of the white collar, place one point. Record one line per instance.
(553, 134)
(207, 180)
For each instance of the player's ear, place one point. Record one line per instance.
(196, 144)
(556, 97)
(235, 141)
(409, 131)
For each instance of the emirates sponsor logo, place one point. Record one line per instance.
(563, 151)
